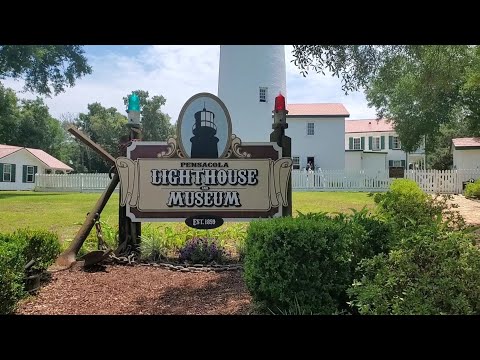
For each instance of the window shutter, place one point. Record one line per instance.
(403, 164)
(350, 143)
(382, 140)
(390, 142)
(24, 174)
(390, 163)
(14, 167)
(35, 169)
(362, 140)
(370, 141)
(1, 172)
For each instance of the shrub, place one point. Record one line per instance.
(433, 272)
(371, 235)
(298, 262)
(403, 202)
(16, 250)
(12, 266)
(407, 207)
(202, 251)
(472, 190)
(39, 245)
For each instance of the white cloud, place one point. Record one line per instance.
(177, 72)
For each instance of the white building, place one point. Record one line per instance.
(317, 132)
(250, 77)
(376, 144)
(18, 166)
(466, 153)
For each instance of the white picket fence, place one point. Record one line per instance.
(339, 180)
(442, 181)
(431, 181)
(72, 182)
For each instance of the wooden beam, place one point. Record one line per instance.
(87, 141)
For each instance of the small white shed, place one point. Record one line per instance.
(466, 153)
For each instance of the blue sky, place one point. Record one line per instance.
(177, 72)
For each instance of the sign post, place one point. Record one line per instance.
(206, 175)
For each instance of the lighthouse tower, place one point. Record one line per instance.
(204, 141)
(250, 78)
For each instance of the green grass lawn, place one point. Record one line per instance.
(64, 213)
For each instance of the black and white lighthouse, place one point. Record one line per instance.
(204, 141)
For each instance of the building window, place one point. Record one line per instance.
(357, 144)
(396, 143)
(7, 172)
(30, 174)
(263, 94)
(376, 143)
(310, 129)
(396, 163)
(296, 162)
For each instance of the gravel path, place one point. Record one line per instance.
(469, 209)
(140, 290)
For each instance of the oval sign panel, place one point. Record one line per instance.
(204, 221)
(204, 127)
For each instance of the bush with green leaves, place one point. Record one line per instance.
(472, 190)
(12, 265)
(39, 245)
(371, 235)
(406, 207)
(431, 272)
(298, 262)
(16, 250)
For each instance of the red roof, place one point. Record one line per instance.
(372, 125)
(7, 150)
(317, 109)
(466, 142)
(41, 155)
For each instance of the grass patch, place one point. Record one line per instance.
(64, 213)
(330, 202)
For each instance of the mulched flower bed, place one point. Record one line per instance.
(135, 290)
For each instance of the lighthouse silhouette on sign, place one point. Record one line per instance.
(204, 141)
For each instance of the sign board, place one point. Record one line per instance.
(205, 174)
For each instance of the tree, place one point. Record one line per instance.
(28, 123)
(45, 68)
(71, 150)
(441, 157)
(105, 126)
(156, 125)
(418, 87)
(37, 129)
(9, 114)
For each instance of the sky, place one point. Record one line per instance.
(177, 72)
